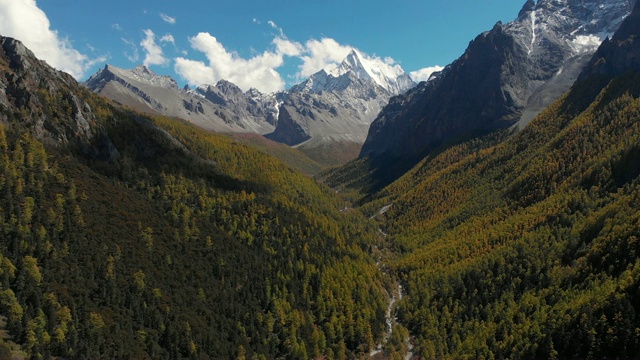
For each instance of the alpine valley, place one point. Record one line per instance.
(493, 211)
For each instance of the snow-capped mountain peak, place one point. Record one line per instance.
(361, 69)
(391, 77)
(352, 63)
(576, 25)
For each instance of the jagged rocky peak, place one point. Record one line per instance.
(140, 73)
(528, 7)
(315, 84)
(24, 63)
(98, 80)
(221, 93)
(390, 77)
(573, 18)
(254, 93)
(223, 89)
(619, 54)
(552, 32)
(352, 63)
(143, 70)
(18, 53)
(24, 78)
(358, 69)
(228, 88)
(144, 74)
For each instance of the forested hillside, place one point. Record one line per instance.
(528, 247)
(128, 236)
(125, 235)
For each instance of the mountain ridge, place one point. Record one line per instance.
(144, 90)
(505, 77)
(329, 107)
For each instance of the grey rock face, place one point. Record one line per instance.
(48, 102)
(338, 106)
(505, 77)
(222, 107)
(251, 104)
(619, 54)
(25, 75)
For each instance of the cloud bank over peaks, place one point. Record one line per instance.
(424, 74)
(258, 71)
(154, 54)
(25, 21)
(261, 70)
(322, 54)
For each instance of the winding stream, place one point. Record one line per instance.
(392, 320)
(390, 316)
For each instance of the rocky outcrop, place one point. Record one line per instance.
(619, 54)
(250, 104)
(290, 131)
(338, 106)
(49, 103)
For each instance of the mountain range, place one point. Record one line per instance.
(222, 107)
(330, 110)
(505, 77)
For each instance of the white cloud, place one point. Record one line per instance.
(276, 27)
(132, 56)
(287, 47)
(283, 44)
(195, 72)
(258, 71)
(25, 21)
(322, 54)
(169, 19)
(424, 74)
(117, 27)
(169, 39)
(154, 54)
(261, 69)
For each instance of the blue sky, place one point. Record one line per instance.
(266, 44)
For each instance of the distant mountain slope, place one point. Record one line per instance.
(134, 236)
(292, 157)
(222, 108)
(505, 77)
(527, 247)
